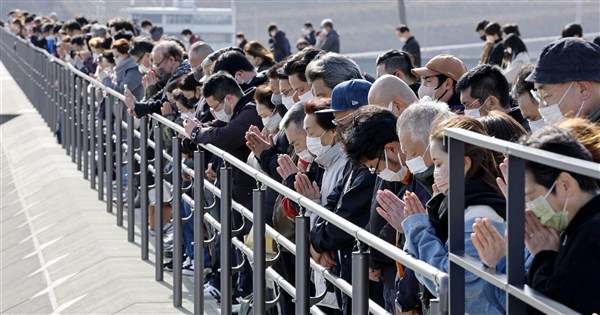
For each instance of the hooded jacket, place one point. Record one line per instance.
(423, 242)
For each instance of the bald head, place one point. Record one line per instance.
(389, 88)
(198, 52)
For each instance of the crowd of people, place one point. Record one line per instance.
(371, 150)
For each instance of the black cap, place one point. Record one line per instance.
(567, 60)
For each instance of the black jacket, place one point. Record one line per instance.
(570, 276)
(230, 138)
(154, 103)
(496, 54)
(351, 201)
(259, 79)
(311, 38)
(515, 113)
(331, 42)
(412, 46)
(380, 227)
(280, 46)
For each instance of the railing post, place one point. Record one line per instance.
(118, 157)
(226, 239)
(177, 224)
(360, 281)
(302, 264)
(144, 186)
(72, 113)
(258, 279)
(101, 168)
(130, 182)
(158, 205)
(77, 121)
(515, 216)
(92, 157)
(86, 138)
(109, 152)
(62, 123)
(456, 224)
(199, 232)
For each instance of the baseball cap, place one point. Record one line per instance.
(447, 65)
(567, 60)
(348, 95)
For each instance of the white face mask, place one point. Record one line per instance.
(552, 113)
(390, 176)
(417, 165)
(273, 33)
(475, 112)
(403, 39)
(272, 122)
(222, 115)
(276, 99)
(306, 96)
(288, 101)
(305, 155)
(143, 69)
(536, 125)
(440, 178)
(426, 91)
(314, 145)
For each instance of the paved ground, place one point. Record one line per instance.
(60, 251)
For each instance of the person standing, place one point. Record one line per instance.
(308, 34)
(330, 39)
(488, 45)
(189, 36)
(493, 34)
(411, 45)
(279, 43)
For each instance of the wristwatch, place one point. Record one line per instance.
(194, 133)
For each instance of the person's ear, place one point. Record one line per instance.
(400, 75)
(494, 103)
(468, 165)
(448, 84)
(585, 89)
(198, 91)
(399, 104)
(565, 185)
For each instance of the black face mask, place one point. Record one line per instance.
(482, 37)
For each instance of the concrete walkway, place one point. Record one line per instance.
(61, 252)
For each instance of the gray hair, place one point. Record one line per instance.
(167, 48)
(99, 30)
(294, 115)
(417, 118)
(333, 68)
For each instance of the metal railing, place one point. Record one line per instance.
(65, 95)
(518, 294)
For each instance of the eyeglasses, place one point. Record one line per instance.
(160, 63)
(338, 122)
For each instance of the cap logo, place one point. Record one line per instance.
(354, 103)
